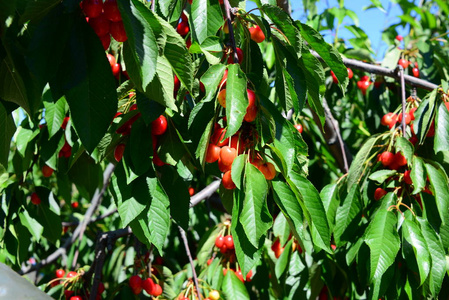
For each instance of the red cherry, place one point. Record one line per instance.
(227, 155)
(47, 171)
(219, 241)
(431, 131)
(157, 290)
(191, 191)
(118, 31)
(415, 72)
(135, 281)
(400, 159)
(407, 178)
(222, 84)
(239, 275)
(118, 152)
(222, 98)
(157, 160)
(76, 298)
(386, 158)
(379, 193)
(218, 137)
(404, 63)
(105, 41)
(35, 199)
(100, 25)
(408, 118)
(183, 28)
(159, 126)
(184, 17)
(350, 73)
(64, 123)
(227, 181)
(213, 153)
(298, 127)
(101, 288)
(239, 56)
(412, 113)
(177, 83)
(249, 275)
(334, 78)
(111, 59)
(365, 78)
(68, 294)
(364, 85)
(229, 241)
(257, 34)
(268, 170)
(71, 274)
(188, 43)
(399, 38)
(148, 285)
(92, 8)
(224, 249)
(60, 273)
(111, 11)
(209, 261)
(251, 109)
(75, 204)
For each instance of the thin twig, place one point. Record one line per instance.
(205, 193)
(102, 217)
(186, 245)
(227, 8)
(401, 76)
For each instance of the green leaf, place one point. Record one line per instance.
(54, 112)
(439, 182)
(418, 175)
(291, 208)
(12, 87)
(149, 109)
(50, 221)
(441, 142)
(143, 48)
(177, 54)
(7, 129)
(140, 147)
(86, 79)
(382, 175)
(255, 217)
(206, 245)
(403, 145)
(331, 200)
(86, 175)
(328, 53)
(382, 238)
(232, 287)
(236, 98)
(212, 49)
(437, 254)
(172, 149)
(206, 18)
(314, 205)
(348, 216)
(238, 167)
(358, 164)
(424, 116)
(281, 229)
(32, 225)
(284, 260)
(391, 58)
(413, 235)
(36, 10)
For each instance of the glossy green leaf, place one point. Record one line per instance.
(233, 288)
(50, 221)
(283, 260)
(418, 175)
(36, 10)
(206, 245)
(171, 147)
(382, 175)
(437, 254)
(328, 53)
(206, 18)
(236, 98)
(348, 216)
(382, 238)
(32, 225)
(143, 49)
(12, 85)
(441, 129)
(403, 145)
(238, 167)
(7, 129)
(292, 210)
(314, 206)
(424, 116)
(411, 232)
(255, 217)
(331, 200)
(54, 113)
(439, 182)
(359, 163)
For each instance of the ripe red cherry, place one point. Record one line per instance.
(412, 113)
(218, 137)
(100, 25)
(148, 285)
(257, 34)
(76, 298)
(251, 109)
(400, 159)
(105, 41)
(249, 275)
(386, 158)
(227, 181)
(64, 123)
(415, 72)
(334, 78)
(47, 171)
(239, 275)
(363, 86)
(399, 38)
(71, 274)
(75, 204)
(379, 193)
(111, 59)
(157, 290)
(298, 127)
(227, 155)
(118, 152)
(229, 241)
(268, 170)
(35, 199)
(92, 8)
(183, 28)
(407, 178)
(387, 119)
(213, 153)
(350, 73)
(222, 98)
(219, 241)
(222, 167)
(191, 191)
(177, 83)
(157, 160)
(222, 84)
(404, 63)
(118, 31)
(408, 118)
(159, 126)
(239, 56)
(60, 273)
(135, 282)
(111, 11)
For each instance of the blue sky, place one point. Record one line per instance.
(373, 21)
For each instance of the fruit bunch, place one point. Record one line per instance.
(137, 284)
(105, 19)
(405, 64)
(364, 83)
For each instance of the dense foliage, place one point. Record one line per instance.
(118, 119)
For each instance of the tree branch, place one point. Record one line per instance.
(186, 245)
(227, 8)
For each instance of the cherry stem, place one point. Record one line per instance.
(186, 245)
(227, 8)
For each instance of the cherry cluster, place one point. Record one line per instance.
(278, 248)
(74, 288)
(405, 64)
(105, 19)
(137, 284)
(364, 83)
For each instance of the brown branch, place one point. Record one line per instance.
(189, 255)
(227, 8)
(102, 217)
